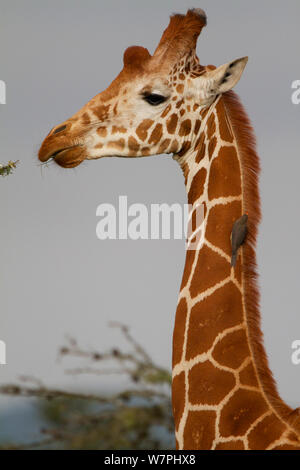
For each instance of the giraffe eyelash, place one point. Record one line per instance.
(154, 98)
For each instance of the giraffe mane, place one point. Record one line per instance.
(250, 172)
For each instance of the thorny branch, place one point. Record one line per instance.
(123, 420)
(8, 168)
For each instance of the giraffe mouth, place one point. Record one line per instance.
(68, 157)
(61, 151)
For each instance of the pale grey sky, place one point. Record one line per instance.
(56, 277)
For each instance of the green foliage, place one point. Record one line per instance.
(7, 169)
(120, 426)
(139, 417)
(158, 376)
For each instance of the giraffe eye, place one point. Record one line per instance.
(154, 99)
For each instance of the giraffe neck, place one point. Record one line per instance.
(223, 391)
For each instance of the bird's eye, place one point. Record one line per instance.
(154, 99)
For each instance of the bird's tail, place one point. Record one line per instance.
(233, 259)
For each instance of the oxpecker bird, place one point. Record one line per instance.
(238, 235)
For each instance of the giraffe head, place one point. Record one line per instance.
(154, 106)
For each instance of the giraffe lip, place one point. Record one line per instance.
(60, 151)
(69, 157)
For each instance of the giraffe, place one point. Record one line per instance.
(223, 393)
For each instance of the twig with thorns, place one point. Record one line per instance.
(7, 169)
(122, 420)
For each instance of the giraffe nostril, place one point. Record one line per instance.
(59, 129)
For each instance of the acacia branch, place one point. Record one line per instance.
(8, 168)
(121, 420)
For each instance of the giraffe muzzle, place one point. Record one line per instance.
(67, 157)
(70, 157)
(61, 149)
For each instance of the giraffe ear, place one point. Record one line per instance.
(222, 78)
